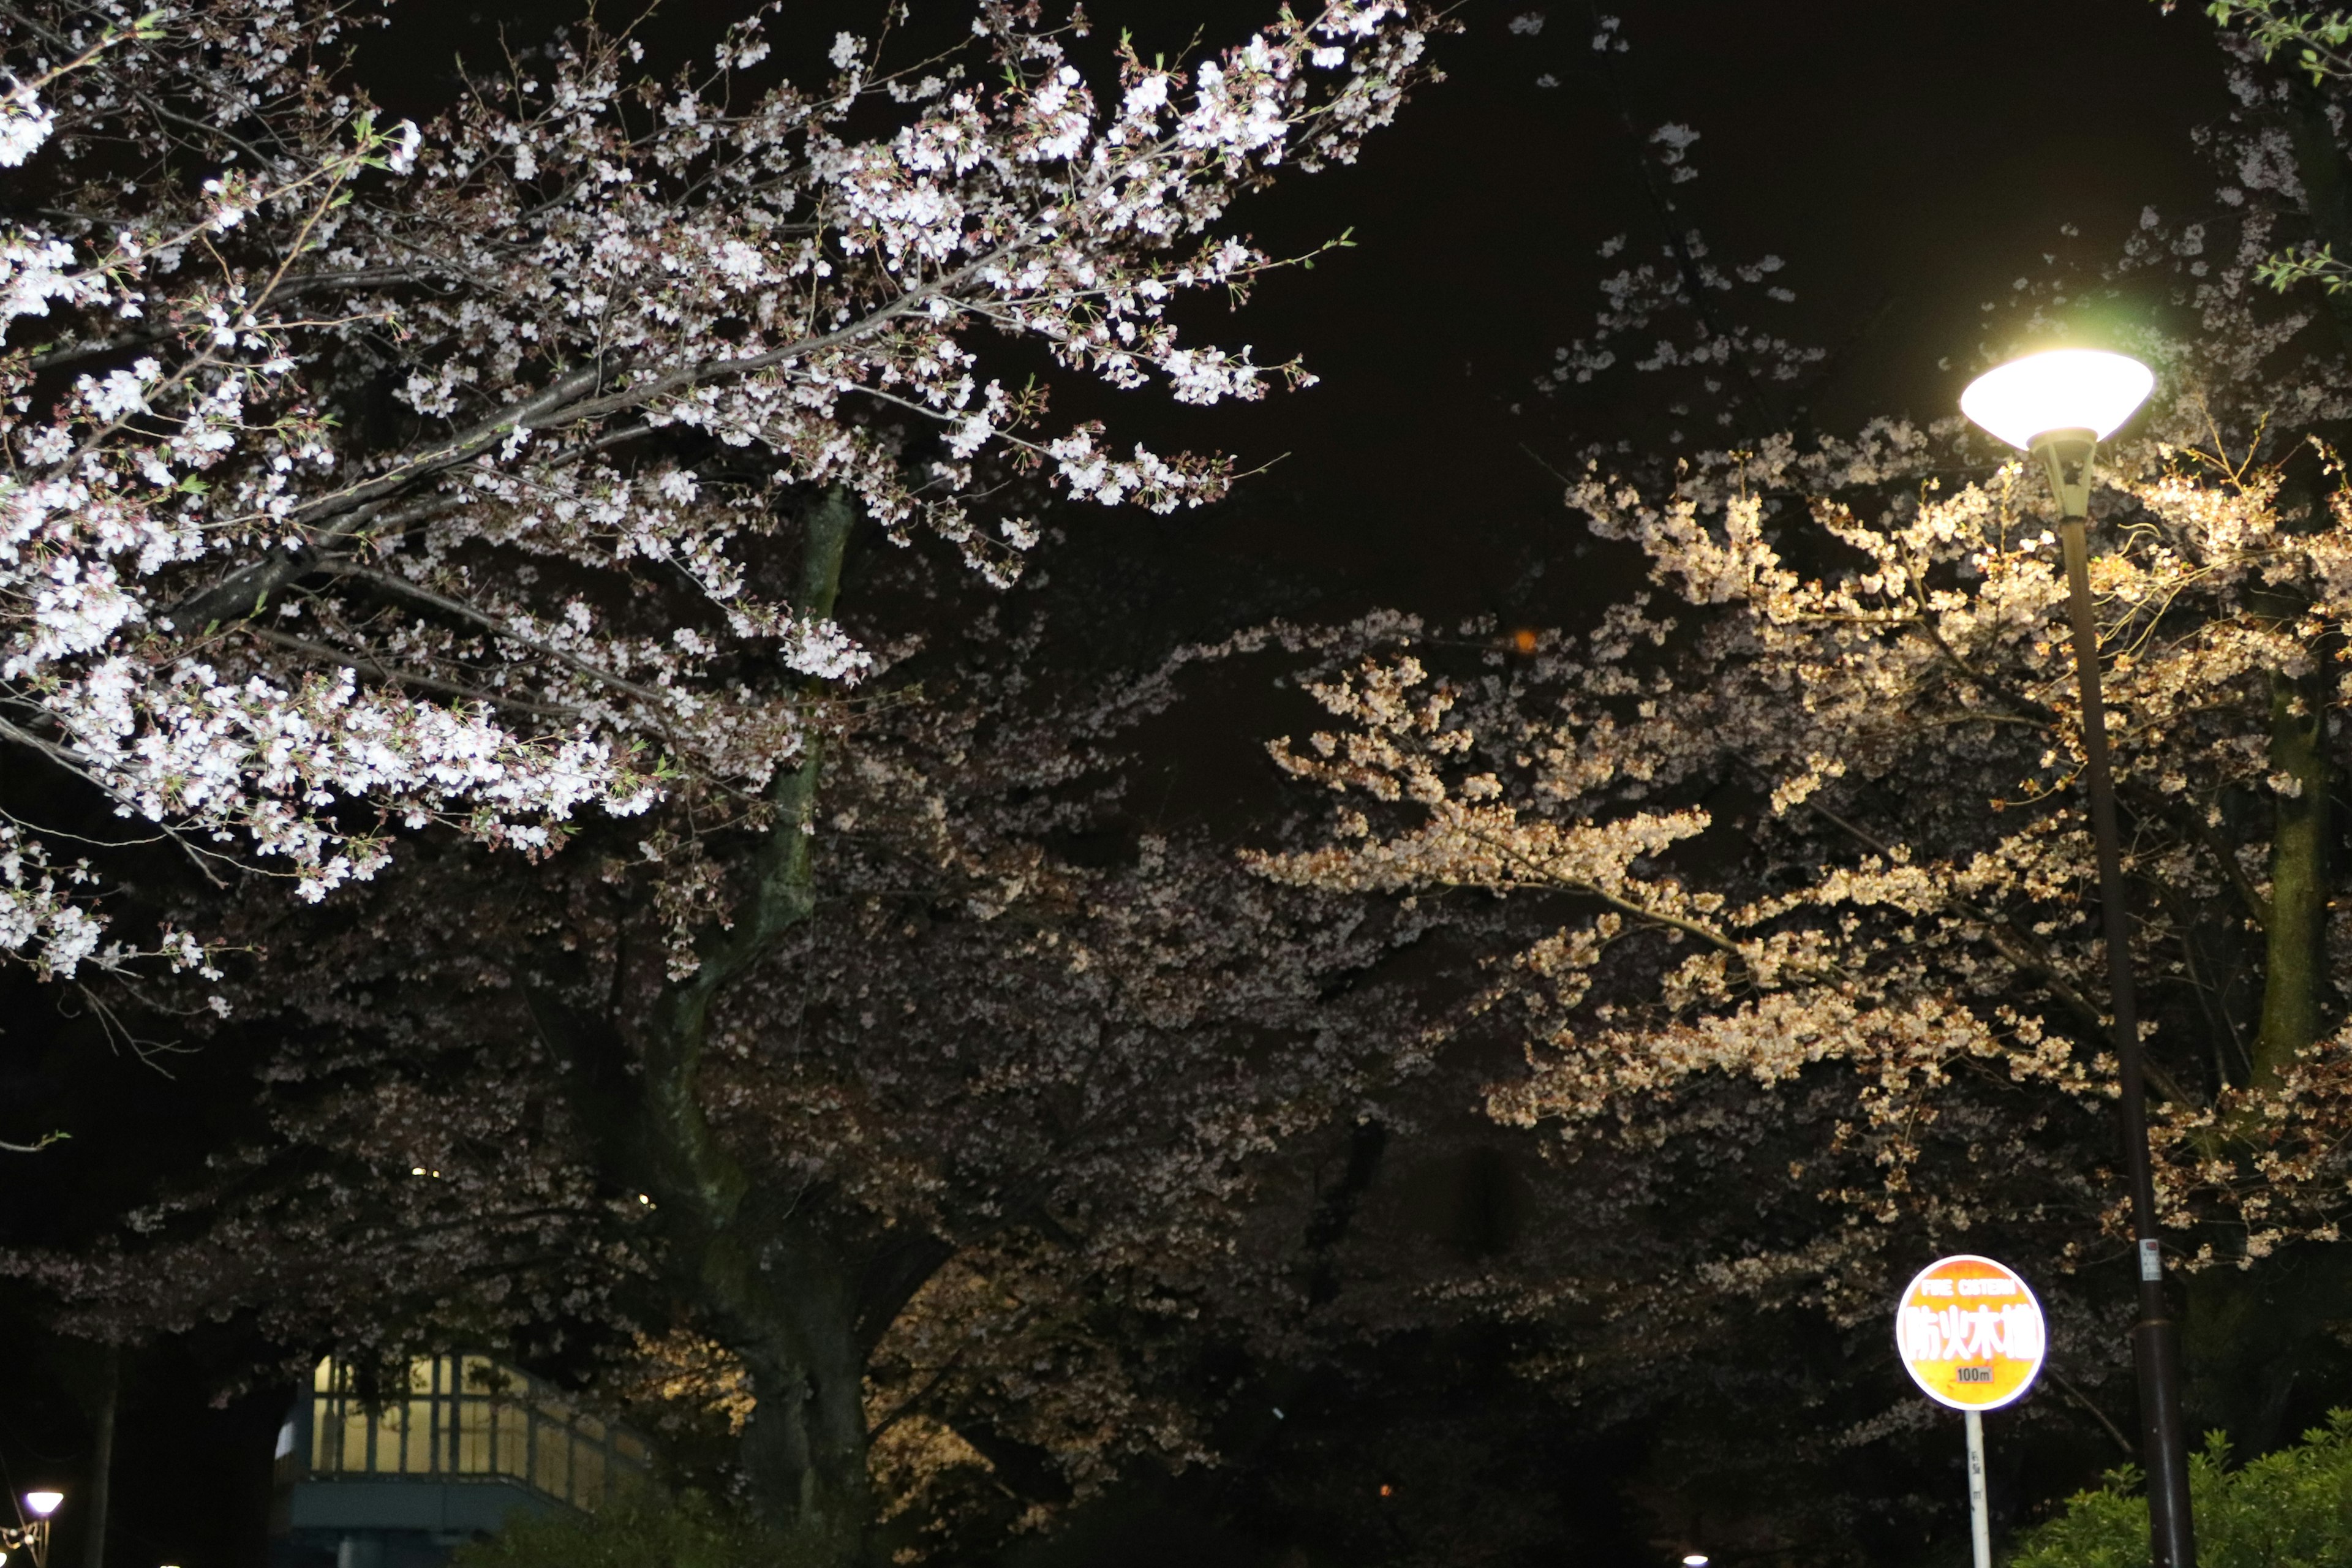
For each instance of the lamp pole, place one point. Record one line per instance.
(2156, 1337)
(2059, 405)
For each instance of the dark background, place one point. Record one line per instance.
(1908, 161)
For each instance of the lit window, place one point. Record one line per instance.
(464, 1417)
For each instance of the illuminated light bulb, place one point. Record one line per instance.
(2058, 389)
(1696, 1559)
(415, 1170)
(43, 1504)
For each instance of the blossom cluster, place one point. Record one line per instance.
(1057, 1084)
(360, 477)
(1798, 839)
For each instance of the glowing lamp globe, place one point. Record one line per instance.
(2060, 389)
(43, 1504)
(2059, 405)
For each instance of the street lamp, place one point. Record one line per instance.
(31, 1534)
(2059, 405)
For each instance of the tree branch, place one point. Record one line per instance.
(369, 664)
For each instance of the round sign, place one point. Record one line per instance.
(1969, 1332)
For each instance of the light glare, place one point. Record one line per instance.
(43, 1504)
(2058, 389)
(1696, 1559)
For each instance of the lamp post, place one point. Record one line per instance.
(30, 1534)
(2059, 405)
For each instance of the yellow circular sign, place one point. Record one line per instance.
(1969, 1332)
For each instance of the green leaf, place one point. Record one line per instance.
(2292, 1508)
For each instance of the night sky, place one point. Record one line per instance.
(1909, 162)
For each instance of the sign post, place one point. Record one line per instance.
(1979, 1510)
(1970, 1335)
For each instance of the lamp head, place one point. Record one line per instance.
(40, 1505)
(2060, 404)
(2058, 389)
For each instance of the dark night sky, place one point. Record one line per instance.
(1907, 160)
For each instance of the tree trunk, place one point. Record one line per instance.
(2326, 194)
(2252, 1338)
(2295, 979)
(101, 1456)
(2294, 974)
(774, 1286)
(804, 1448)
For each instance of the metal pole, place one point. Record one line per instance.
(1980, 1512)
(2155, 1338)
(101, 1459)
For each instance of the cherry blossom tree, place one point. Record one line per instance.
(1695, 340)
(363, 477)
(1797, 838)
(985, 1153)
(490, 480)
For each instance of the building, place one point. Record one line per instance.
(399, 1478)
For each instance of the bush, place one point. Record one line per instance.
(645, 1528)
(2288, 1510)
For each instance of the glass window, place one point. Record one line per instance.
(514, 1443)
(391, 1427)
(469, 1415)
(551, 1460)
(474, 1437)
(486, 1376)
(587, 1475)
(420, 1459)
(355, 1426)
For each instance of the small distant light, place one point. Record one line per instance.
(1696, 1559)
(44, 1504)
(1524, 640)
(1387, 1491)
(645, 1200)
(415, 1170)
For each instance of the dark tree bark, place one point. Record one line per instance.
(799, 1304)
(2295, 978)
(101, 1455)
